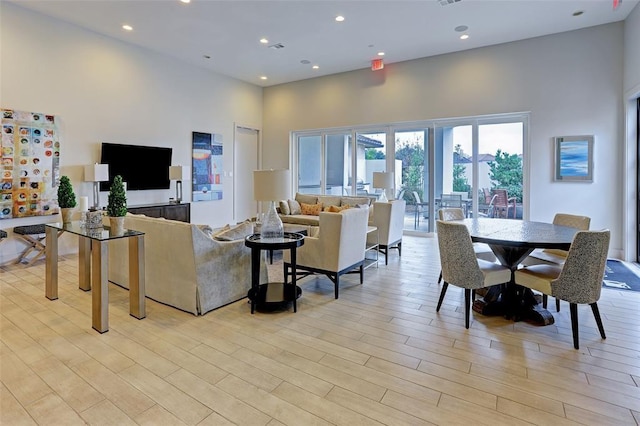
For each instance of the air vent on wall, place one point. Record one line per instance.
(447, 2)
(277, 46)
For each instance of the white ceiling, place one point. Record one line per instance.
(229, 31)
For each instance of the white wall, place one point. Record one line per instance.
(570, 82)
(104, 90)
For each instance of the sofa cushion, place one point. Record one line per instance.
(336, 209)
(301, 219)
(329, 200)
(311, 209)
(354, 201)
(237, 232)
(306, 198)
(294, 207)
(284, 207)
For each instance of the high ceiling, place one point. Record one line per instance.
(228, 32)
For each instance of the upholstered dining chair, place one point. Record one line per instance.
(556, 256)
(578, 280)
(460, 266)
(338, 249)
(482, 251)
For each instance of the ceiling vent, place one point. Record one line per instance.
(447, 2)
(277, 46)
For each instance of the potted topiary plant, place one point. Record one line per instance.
(117, 205)
(66, 198)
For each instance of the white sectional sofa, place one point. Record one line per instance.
(184, 266)
(289, 214)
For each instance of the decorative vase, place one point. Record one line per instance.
(66, 212)
(116, 225)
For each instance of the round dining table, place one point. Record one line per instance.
(512, 241)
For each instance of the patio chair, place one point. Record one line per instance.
(420, 209)
(501, 203)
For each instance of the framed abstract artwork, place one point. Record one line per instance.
(573, 158)
(29, 164)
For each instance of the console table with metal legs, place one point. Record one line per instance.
(93, 256)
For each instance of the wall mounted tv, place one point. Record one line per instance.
(141, 167)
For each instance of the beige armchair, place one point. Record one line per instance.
(338, 249)
(389, 219)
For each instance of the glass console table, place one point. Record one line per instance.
(93, 256)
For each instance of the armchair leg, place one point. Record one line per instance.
(362, 274)
(557, 305)
(400, 249)
(337, 284)
(573, 308)
(596, 315)
(544, 301)
(440, 277)
(444, 290)
(467, 306)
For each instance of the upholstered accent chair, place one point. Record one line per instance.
(556, 256)
(482, 251)
(389, 219)
(462, 268)
(578, 280)
(338, 249)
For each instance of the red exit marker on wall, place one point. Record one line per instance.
(377, 64)
(616, 3)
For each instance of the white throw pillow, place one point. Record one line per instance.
(238, 232)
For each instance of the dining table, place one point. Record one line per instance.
(512, 241)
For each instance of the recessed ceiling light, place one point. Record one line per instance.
(380, 53)
(578, 13)
(264, 40)
(339, 18)
(464, 36)
(186, 1)
(264, 77)
(461, 28)
(315, 67)
(127, 27)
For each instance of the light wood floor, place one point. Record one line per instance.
(378, 355)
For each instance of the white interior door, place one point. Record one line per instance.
(245, 161)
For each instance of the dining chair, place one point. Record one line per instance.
(421, 207)
(557, 256)
(482, 251)
(462, 268)
(578, 280)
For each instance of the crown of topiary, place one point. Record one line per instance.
(66, 197)
(117, 205)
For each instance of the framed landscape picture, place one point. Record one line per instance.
(573, 158)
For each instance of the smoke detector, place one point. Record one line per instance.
(277, 46)
(447, 2)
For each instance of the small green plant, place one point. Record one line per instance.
(117, 205)
(66, 197)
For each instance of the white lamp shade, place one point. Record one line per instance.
(178, 172)
(96, 173)
(271, 185)
(383, 180)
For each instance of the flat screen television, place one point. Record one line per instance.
(141, 167)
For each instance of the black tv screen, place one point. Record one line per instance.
(141, 167)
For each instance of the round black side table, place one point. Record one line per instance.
(273, 294)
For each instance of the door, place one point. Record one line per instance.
(246, 159)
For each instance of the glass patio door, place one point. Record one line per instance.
(324, 164)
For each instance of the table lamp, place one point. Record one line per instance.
(271, 185)
(96, 173)
(384, 181)
(178, 173)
